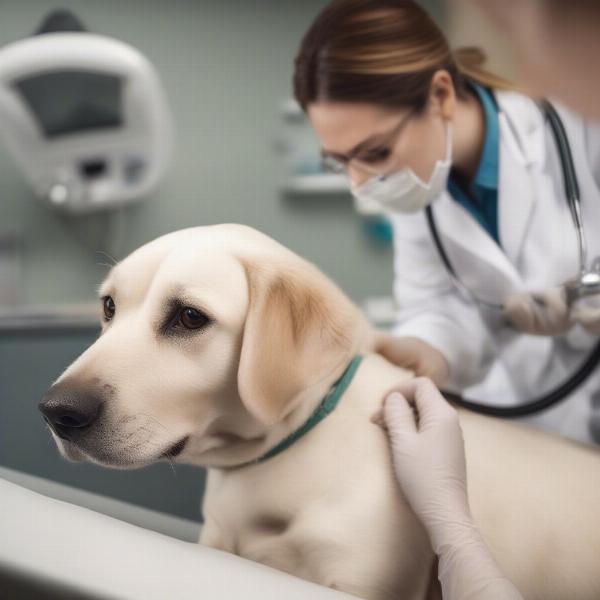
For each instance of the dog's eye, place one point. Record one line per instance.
(191, 318)
(108, 306)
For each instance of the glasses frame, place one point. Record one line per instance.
(338, 165)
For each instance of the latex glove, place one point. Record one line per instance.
(586, 312)
(429, 456)
(413, 354)
(539, 313)
(429, 460)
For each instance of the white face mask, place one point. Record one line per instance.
(404, 191)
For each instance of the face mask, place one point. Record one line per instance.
(404, 191)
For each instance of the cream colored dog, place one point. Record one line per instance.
(218, 342)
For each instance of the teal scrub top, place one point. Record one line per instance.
(481, 197)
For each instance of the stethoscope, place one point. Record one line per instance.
(585, 283)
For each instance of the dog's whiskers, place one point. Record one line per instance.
(166, 456)
(147, 442)
(171, 464)
(157, 422)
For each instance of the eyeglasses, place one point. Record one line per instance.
(367, 156)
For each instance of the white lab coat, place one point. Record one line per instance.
(538, 250)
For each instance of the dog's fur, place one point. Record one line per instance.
(328, 508)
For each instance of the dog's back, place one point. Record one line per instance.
(536, 499)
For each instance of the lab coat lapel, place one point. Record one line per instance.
(478, 260)
(522, 151)
(535, 229)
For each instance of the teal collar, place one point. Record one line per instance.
(326, 406)
(487, 170)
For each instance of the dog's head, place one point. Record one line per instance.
(210, 337)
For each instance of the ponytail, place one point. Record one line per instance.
(469, 63)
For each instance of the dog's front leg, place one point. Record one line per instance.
(214, 536)
(308, 558)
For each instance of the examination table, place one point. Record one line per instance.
(52, 548)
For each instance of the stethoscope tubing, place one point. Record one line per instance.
(562, 391)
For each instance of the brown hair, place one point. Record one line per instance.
(383, 52)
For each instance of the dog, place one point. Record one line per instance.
(218, 343)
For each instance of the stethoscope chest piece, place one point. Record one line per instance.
(587, 284)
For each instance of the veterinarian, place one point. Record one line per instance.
(469, 171)
(416, 125)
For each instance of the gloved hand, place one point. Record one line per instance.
(547, 312)
(539, 313)
(413, 354)
(586, 312)
(429, 460)
(429, 457)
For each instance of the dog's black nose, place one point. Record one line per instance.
(70, 410)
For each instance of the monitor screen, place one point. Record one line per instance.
(73, 101)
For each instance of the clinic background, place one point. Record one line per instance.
(227, 68)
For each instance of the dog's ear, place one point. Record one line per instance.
(299, 329)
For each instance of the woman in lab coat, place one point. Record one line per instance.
(387, 97)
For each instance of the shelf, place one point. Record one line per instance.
(317, 184)
(44, 318)
(329, 185)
